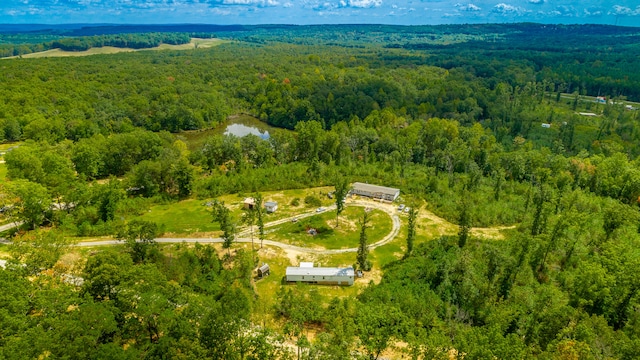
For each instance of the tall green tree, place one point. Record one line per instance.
(249, 218)
(464, 220)
(342, 189)
(38, 250)
(363, 247)
(260, 216)
(140, 236)
(222, 215)
(183, 174)
(539, 200)
(108, 196)
(33, 202)
(411, 230)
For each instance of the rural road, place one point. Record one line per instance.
(6, 227)
(386, 208)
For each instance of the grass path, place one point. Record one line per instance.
(447, 228)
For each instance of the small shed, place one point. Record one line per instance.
(249, 203)
(271, 206)
(263, 270)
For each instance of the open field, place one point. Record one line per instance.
(4, 147)
(193, 217)
(184, 217)
(346, 235)
(194, 44)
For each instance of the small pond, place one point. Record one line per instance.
(241, 130)
(237, 125)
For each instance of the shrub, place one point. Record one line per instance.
(312, 201)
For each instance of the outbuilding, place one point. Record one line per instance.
(263, 270)
(271, 206)
(320, 275)
(375, 191)
(249, 203)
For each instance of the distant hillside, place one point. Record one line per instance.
(22, 44)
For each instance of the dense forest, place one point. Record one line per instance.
(485, 126)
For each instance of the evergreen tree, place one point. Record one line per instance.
(249, 218)
(363, 248)
(222, 215)
(538, 221)
(342, 188)
(411, 231)
(259, 217)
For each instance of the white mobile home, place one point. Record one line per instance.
(320, 275)
(375, 191)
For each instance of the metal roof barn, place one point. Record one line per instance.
(375, 191)
(321, 275)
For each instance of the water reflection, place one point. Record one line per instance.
(241, 130)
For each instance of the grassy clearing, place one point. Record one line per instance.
(346, 235)
(192, 217)
(7, 146)
(194, 44)
(3, 172)
(184, 217)
(268, 287)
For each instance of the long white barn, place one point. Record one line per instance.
(375, 191)
(321, 275)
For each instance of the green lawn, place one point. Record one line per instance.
(189, 217)
(3, 172)
(345, 236)
(184, 217)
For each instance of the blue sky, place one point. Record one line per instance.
(406, 12)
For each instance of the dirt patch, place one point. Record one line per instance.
(374, 275)
(70, 263)
(344, 224)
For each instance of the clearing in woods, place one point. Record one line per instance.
(194, 44)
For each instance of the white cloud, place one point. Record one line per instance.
(593, 12)
(359, 4)
(566, 11)
(365, 3)
(506, 9)
(263, 3)
(536, 2)
(467, 7)
(619, 10)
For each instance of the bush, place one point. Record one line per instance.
(312, 201)
(295, 202)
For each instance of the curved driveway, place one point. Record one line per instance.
(392, 234)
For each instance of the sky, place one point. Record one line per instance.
(401, 12)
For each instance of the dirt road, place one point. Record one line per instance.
(395, 229)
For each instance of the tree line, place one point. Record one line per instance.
(133, 40)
